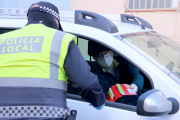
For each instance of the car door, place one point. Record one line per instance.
(117, 110)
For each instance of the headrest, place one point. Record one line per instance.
(94, 49)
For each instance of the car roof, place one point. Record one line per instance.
(9, 21)
(127, 28)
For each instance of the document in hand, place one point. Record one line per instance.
(118, 90)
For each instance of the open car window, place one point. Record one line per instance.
(83, 46)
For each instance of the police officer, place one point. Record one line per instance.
(36, 62)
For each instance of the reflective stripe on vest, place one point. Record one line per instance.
(33, 82)
(37, 54)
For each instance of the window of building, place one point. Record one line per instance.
(149, 5)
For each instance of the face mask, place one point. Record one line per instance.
(106, 60)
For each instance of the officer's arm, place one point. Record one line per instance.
(78, 72)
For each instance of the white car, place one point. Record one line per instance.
(156, 56)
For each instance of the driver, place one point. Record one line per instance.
(112, 71)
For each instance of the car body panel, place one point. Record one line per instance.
(107, 113)
(123, 28)
(161, 81)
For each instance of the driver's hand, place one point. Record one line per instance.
(134, 87)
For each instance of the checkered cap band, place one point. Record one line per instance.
(33, 111)
(50, 11)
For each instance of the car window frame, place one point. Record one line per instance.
(131, 61)
(108, 103)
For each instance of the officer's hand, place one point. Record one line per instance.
(98, 108)
(134, 87)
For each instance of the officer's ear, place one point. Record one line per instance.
(57, 22)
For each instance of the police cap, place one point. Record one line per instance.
(48, 8)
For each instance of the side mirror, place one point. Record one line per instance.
(155, 103)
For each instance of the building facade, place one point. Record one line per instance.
(159, 13)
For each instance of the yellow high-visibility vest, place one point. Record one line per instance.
(35, 51)
(31, 64)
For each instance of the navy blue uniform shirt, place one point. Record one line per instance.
(124, 71)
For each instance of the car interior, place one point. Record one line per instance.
(84, 45)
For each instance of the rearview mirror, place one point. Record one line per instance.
(155, 103)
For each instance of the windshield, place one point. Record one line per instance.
(164, 50)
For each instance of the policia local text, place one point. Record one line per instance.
(21, 44)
